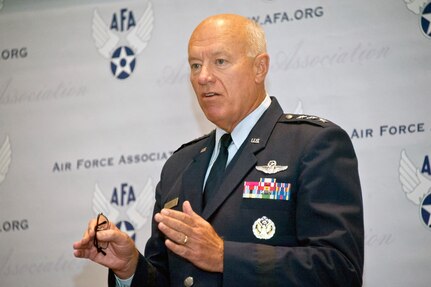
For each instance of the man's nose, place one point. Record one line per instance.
(205, 75)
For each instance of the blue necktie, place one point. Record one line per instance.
(216, 175)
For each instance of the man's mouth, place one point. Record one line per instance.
(210, 94)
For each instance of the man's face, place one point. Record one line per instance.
(222, 75)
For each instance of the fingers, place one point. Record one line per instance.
(175, 221)
(85, 248)
(115, 249)
(187, 209)
(176, 225)
(181, 250)
(87, 237)
(191, 237)
(185, 218)
(174, 232)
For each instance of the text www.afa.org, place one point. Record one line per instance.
(289, 16)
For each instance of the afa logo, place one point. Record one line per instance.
(128, 210)
(5, 158)
(416, 183)
(423, 9)
(110, 42)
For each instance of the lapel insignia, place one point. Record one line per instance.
(204, 149)
(264, 228)
(172, 203)
(255, 140)
(271, 167)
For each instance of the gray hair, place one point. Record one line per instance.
(256, 39)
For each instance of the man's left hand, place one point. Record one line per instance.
(191, 237)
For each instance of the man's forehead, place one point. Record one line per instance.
(205, 37)
(214, 50)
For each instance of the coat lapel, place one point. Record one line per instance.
(194, 175)
(245, 158)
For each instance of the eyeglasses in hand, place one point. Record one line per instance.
(101, 224)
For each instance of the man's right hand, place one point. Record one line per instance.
(121, 253)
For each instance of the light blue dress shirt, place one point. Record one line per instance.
(239, 134)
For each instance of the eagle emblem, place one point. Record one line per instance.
(264, 228)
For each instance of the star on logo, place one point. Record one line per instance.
(123, 62)
(127, 228)
(426, 210)
(426, 20)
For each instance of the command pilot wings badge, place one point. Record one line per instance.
(5, 159)
(108, 39)
(416, 186)
(271, 167)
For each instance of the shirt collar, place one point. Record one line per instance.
(241, 131)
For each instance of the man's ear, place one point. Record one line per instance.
(261, 64)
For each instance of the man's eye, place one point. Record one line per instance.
(220, 61)
(195, 66)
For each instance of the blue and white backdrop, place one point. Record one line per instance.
(94, 97)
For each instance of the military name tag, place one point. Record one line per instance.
(266, 188)
(172, 203)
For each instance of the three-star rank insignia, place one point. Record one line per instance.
(306, 117)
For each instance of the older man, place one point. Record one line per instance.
(267, 199)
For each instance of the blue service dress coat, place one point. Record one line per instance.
(315, 238)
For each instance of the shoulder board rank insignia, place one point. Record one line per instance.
(271, 167)
(306, 117)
